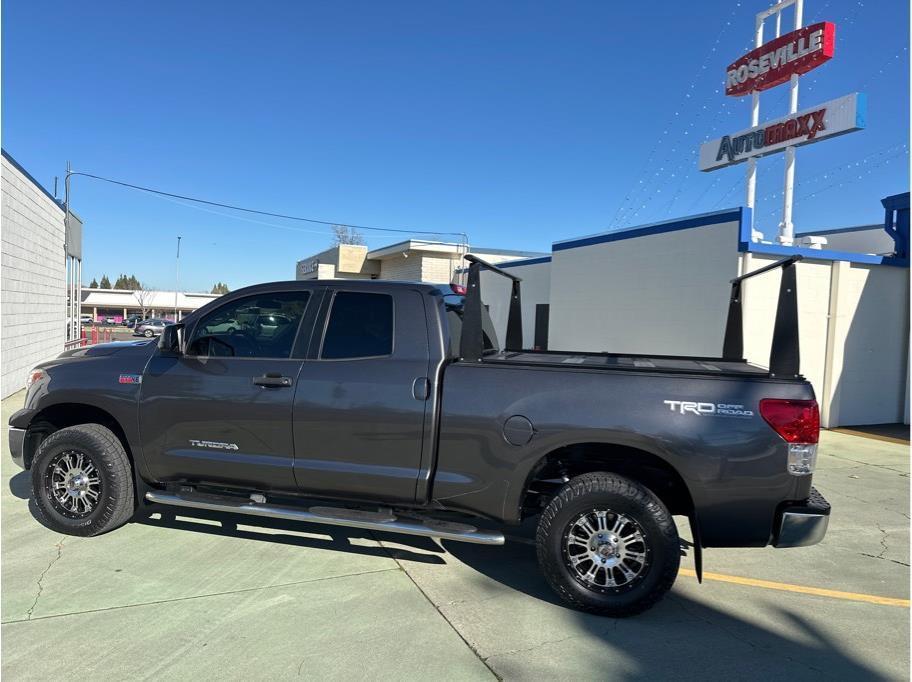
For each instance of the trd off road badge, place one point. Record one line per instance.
(708, 409)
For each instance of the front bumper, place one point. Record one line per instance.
(803, 524)
(16, 445)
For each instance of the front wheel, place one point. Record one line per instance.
(608, 545)
(82, 482)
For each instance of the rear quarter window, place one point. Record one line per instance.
(360, 325)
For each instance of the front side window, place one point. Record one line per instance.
(262, 326)
(360, 326)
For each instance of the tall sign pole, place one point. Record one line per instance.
(755, 121)
(786, 227)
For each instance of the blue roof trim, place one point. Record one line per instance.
(841, 230)
(527, 261)
(861, 110)
(746, 245)
(727, 215)
(18, 167)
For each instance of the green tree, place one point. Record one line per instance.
(128, 283)
(94, 284)
(220, 288)
(105, 282)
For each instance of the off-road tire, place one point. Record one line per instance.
(602, 490)
(116, 501)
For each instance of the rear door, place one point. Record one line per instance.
(222, 412)
(360, 399)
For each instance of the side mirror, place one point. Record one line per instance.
(171, 339)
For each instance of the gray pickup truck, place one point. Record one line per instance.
(392, 406)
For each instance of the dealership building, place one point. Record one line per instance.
(664, 289)
(413, 260)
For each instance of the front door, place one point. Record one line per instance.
(221, 413)
(359, 412)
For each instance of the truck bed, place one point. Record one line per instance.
(617, 361)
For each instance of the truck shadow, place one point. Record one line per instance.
(294, 533)
(20, 485)
(679, 638)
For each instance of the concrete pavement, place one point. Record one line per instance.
(201, 595)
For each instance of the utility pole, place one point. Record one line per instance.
(177, 285)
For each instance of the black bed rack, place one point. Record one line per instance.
(785, 356)
(471, 343)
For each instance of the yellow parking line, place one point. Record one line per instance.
(785, 587)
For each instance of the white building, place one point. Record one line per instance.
(410, 260)
(664, 289)
(870, 239)
(41, 270)
(101, 304)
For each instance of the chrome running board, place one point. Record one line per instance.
(445, 530)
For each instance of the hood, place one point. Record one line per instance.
(143, 347)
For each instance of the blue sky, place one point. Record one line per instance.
(519, 123)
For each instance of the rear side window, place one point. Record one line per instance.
(360, 326)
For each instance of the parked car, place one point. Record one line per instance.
(396, 405)
(151, 327)
(226, 326)
(86, 320)
(131, 321)
(109, 321)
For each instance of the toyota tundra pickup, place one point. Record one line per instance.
(392, 406)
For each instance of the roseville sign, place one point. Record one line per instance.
(836, 117)
(775, 62)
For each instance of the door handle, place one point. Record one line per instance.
(272, 380)
(421, 388)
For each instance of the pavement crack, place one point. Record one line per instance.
(40, 585)
(883, 558)
(484, 661)
(869, 464)
(839, 493)
(600, 633)
(199, 596)
(883, 541)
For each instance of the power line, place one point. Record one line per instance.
(263, 213)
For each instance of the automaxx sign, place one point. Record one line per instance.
(836, 117)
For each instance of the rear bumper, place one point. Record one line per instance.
(16, 445)
(803, 524)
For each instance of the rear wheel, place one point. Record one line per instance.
(608, 545)
(82, 482)
(148, 333)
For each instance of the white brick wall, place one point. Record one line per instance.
(401, 268)
(32, 278)
(438, 270)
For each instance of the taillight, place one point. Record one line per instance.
(458, 289)
(798, 423)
